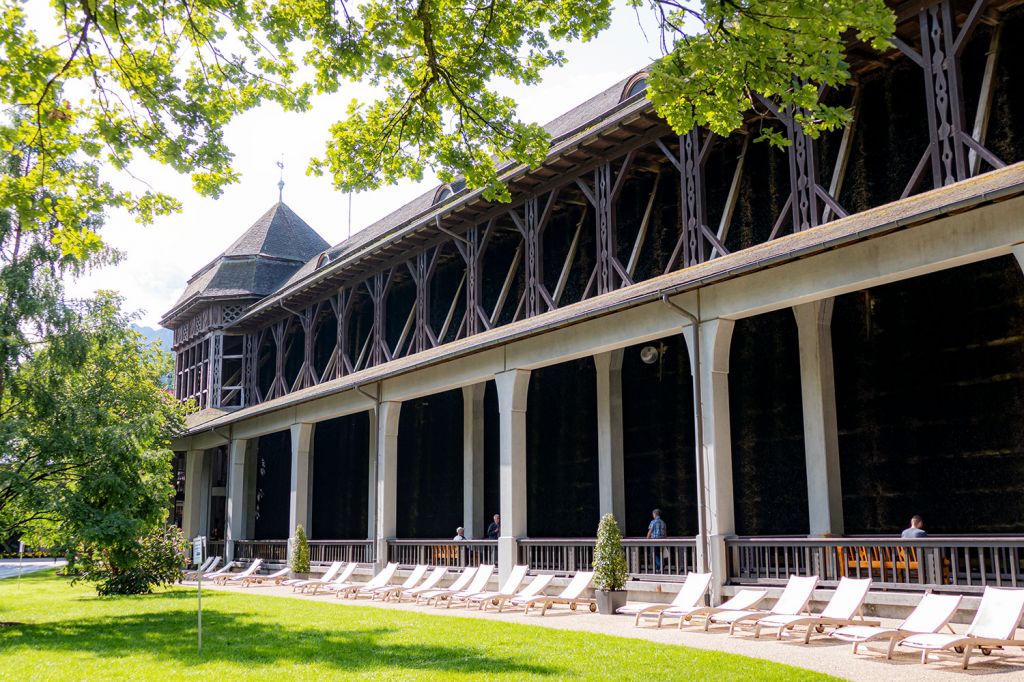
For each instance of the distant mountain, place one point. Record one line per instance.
(164, 336)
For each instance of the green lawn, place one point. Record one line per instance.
(68, 633)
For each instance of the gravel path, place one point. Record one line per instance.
(823, 655)
(10, 568)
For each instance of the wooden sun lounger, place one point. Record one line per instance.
(512, 583)
(427, 585)
(931, 614)
(692, 592)
(478, 585)
(276, 578)
(384, 592)
(461, 583)
(226, 578)
(379, 580)
(792, 601)
(994, 627)
(571, 595)
(328, 576)
(742, 600)
(845, 608)
(340, 580)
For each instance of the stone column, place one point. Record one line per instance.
(821, 433)
(611, 481)
(512, 393)
(473, 513)
(300, 497)
(715, 338)
(387, 477)
(237, 509)
(371, 476)
(197, 494)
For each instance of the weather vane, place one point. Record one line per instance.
(280, 182)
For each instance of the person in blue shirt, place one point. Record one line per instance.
(916, 529)
(657, 529)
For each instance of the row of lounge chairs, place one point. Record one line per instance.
(994, 626)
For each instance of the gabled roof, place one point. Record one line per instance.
(255, 265)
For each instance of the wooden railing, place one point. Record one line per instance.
(953, 564)
(453, 553)
(215, 548)
(269, 550)
(662, 560)
(322, 552)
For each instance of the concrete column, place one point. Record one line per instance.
(197, 494)
(719, 521)
(237, 509)
(512, 393)
(821, 433)
(300, 498)
(611, 481)
(473, 520)
(387, 477)
(371, 476)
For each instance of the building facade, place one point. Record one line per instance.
(789, 352)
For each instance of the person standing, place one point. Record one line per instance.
(656, 530)
(460, 534)
(494, 530)
(916, 529)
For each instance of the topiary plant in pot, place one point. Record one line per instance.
(609, 566)
(300, 552)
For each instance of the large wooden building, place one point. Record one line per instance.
(789, 352)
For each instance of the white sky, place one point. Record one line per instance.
(161, 257)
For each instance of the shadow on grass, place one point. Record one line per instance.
(237, 638)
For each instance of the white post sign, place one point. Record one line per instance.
(197, 558)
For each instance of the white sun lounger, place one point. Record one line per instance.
(479, 584)
(994, 626)
(225, 578)
(693, 590)
(534, 589)
(508, 589)
(410, 582)
(461, 583)
(930, 615)
(427, 585)
(844, 608)
(340, 580)
(206, 567)
(379, 580)
(792, 601)
(276, 577)
(328, 576)
(226, 568)
(571, 595)
(741, 601)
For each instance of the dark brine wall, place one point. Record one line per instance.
(430, 466)
(341, 464)
(930, 399)
(658, 440)
(561, 451)
(273, 486)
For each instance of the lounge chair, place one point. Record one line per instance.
(479, 584)
(846, 603)
(571, 595)
(793, 600)
(207, 566)
(379, 580)
(461, 583)
(930, 615)
(994, 627)
(226, 578)
(340, 580)
(410, 582)
(226, 568)
(427, 585)
(692, 592)
(742, 600)
(535, 588)
(276, 578)
(508, 589)
(328, 576)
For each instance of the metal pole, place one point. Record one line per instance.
(199, 592)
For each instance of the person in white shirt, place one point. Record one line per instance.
(459, 534)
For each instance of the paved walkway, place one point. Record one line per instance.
(824, 655)
(10, 568)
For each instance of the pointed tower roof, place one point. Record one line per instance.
(256, 264)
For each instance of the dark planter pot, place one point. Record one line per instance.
(609, 600)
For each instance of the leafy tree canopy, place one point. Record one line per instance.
(108, 81)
